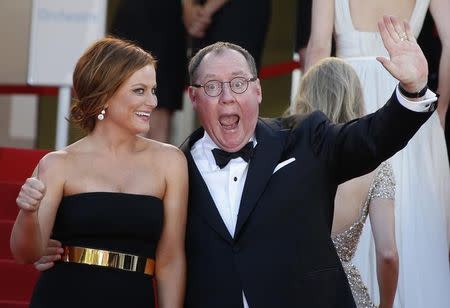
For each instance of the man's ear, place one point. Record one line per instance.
(192, 96)
(258, 90)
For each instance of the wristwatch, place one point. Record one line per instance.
(412, 95)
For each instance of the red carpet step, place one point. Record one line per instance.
(5, 232)
(8, 195)
(13, 304)
(17, 280)
(18, 164)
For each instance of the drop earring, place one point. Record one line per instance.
(101, 115)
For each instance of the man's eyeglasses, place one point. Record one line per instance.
(214, 88)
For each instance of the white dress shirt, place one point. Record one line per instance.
(419, 106)
(226, 185)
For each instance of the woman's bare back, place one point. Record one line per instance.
(349, 201)
(366, 13)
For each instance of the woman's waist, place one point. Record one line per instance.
(132, 246)
(359, 46)
(108, 258)
(90, 276)
(350, 269)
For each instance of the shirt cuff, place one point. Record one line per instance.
(422, 105)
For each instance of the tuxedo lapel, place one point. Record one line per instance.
(267, 154)
(200, 199)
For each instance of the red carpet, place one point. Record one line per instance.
(18, 164)
(13, 304)
(16, 280)
(8, 195)
(5, 230)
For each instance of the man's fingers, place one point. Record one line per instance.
(382, 60)
(385, 35)
(388, 65)
(52, 251)
(399, 27)
(409, 33)
(53, 243)
(43, 266)
(390, 29)
(53, 248)
(48, 259)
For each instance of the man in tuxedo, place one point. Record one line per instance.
(262, 190)
(258, 230)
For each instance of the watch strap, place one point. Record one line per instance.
(414, 94)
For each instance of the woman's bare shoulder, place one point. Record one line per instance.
(166, 158)
(52, 163)
(168, 151)
(61, 158)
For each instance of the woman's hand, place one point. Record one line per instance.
(31, 194)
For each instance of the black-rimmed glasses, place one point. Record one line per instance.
(214, 88)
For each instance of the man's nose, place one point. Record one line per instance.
(227, 94)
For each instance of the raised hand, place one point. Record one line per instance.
(31, 194)
(407, 62)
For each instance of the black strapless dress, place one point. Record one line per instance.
(119, 222)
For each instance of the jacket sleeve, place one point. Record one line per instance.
(361, 145)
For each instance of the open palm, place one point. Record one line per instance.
(407, 62)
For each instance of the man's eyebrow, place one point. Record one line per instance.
(240, 72)
(235, 73)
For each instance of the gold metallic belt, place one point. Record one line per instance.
(106, 258)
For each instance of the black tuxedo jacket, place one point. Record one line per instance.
(282, 254)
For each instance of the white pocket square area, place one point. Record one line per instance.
(283, 163)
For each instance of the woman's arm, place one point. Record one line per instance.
(382, 220)
(212, 6)
(170, 254)
(195, 18)
(439, 10)
(38, 201)
(381, 213)
(322, 23)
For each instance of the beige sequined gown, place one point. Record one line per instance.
(383, 186)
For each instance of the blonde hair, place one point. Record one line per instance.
(333, 87)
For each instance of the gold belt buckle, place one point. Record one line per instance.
(107, 258)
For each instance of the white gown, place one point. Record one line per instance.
(422, 174)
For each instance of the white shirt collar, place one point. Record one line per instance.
(206, 144)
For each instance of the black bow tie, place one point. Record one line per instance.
(223, 157)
